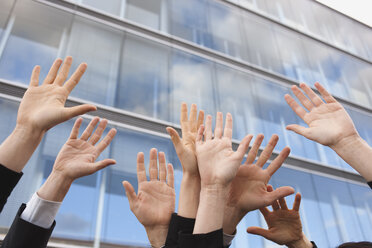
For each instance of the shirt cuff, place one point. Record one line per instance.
(227, 239)
(40, 212)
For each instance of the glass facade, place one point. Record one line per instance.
(138, 74)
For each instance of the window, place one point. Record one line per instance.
(33, 40)
(99, 82)
(5, 13)
(192, 82)
(143, 84)
(148, 13)
(111, 6)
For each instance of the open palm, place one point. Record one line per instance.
(284, 225)
(328, 121)
(155, 201)
(43, 106)
(78, 155)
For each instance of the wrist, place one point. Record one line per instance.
(231, 218)
(346, 142)
(189, 196)
(55, 187)
(157, 235)
(301, 243)
(28, 132)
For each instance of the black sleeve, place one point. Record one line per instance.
(24, 234)
(314, 245)
(8, 180)
(176, 225)
(208, 240)
(370, 184)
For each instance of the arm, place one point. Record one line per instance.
(330, 125)
(41, 108)
(185, 149)
(76, 159)
(155, 202)
(285, 226)
(218, 165)
(248, 189)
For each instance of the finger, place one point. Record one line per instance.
(219, 126)
(193, 123)
(266, 153)
(176, 140)
(170, 177)
(228, 126)
(300, 111)
(103, 164)
(313, 97)
(153, 168)
(208, 128)
(324, 93)
(75, 78)
(53, 71)
(141, 169)
(75, 129)
(269, 188)
(63, 73)
(302, 98)
(297, 202)
(34, 80)
(278, 161)
(200, 119)
(199, 137)
(277, 194)
(129, 191)
(283, 203)
(299, 130)
(243, 146)
(162, 168)
(88, 131)
(78, 110)
(98, 133)
(264, 211)
(254, 149)
(184, 120)
(259, 231)
(275, 205)
(106, 141)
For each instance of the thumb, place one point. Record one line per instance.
(79, 110)
(299, 130)
(280, 193)
(129, 191)
(177, 143)
(103, 164)
(259, 231)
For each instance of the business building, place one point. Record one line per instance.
(147, 56)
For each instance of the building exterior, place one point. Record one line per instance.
(147, 56)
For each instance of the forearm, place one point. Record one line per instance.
(157, 235)
(211, 209)
(55, 188)
(231, 219)
(357, 153)
(17, 149)
(302, 243)
(189, 196)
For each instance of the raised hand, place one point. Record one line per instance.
(284, 224)
(248, 189)
(41, 108)
(185, 149)
(77, 159)
(330, 125)
(155, 201)
(218, 165)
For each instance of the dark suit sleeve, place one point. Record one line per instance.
(8, 180)
(208, 240)
(370, 184)
(24, 234)
(176, 225)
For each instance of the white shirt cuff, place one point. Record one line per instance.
(227, 239)
(40, 212)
